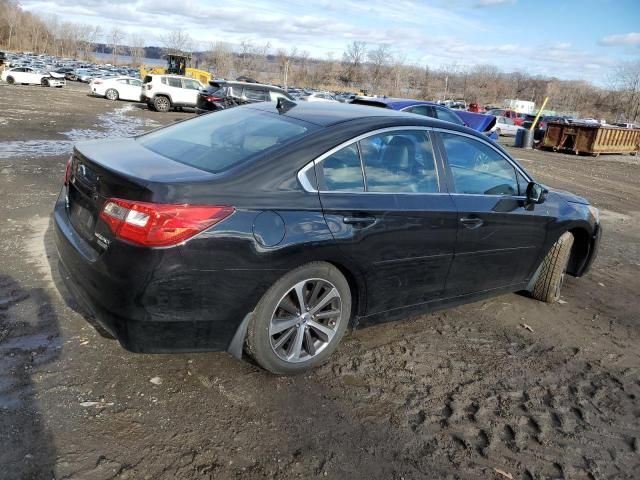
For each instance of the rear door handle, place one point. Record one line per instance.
(359, 220)
(471, 223)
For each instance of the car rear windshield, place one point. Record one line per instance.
(219, 141)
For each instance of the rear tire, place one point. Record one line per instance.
(10, 80)
(312, 332)
(111, 94)
(162, 104)
(552, 270)
(45, 82)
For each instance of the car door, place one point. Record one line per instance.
(135, 89)
(191, 89)
(176, 91)
(499, 235)
(383, 201)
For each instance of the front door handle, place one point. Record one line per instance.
(359, 220)
(471, 223)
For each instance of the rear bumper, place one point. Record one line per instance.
(132, 308)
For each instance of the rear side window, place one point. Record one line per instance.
(478, 169)
(218, 142)
(399, 162)
(255, 94)
(274, 96)
(448, 116)
(342, 171)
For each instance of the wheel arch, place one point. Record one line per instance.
(357, 287)
(580, 250)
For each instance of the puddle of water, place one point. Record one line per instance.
(112, 124)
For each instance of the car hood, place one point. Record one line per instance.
(568, 196)
(56, 75)
(478, 121)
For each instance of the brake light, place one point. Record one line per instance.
(212, 98)
(67, 172)
(159, 224)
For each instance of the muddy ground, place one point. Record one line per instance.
(464, 393)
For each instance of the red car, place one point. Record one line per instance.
(517, 118)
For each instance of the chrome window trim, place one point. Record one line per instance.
(482, 140)
(306, 185)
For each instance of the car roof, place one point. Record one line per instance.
(325, 114)
(251, 84)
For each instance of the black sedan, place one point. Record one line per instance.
(274, 228)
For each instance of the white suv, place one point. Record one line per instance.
(164, 92)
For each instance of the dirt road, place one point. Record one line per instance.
(464, 393)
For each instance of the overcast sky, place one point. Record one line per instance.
(580, 39)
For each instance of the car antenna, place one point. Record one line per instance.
(284, 105)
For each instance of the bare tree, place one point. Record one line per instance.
(177, 42)
(379, 60)
(352, 60)
(284, 59)
(220, 59)
(116, 36)
(136, 46)
(626, 82)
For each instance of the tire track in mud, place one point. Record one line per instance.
(474, 401)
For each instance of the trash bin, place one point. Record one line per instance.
(524, 138)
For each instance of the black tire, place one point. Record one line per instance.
(552, 270)
(259, 338)
(10, 80)
(111, 94)
(162, 103)
(45, 82)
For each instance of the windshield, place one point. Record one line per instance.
(221, 140)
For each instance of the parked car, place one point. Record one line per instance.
(506, 127)
(517, 118)
(479, 122)
(277, 226)
(164, 92)
(117, 88)
(318, 97)
(27, 75)
(222, 94)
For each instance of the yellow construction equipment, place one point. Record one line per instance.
(177, 64)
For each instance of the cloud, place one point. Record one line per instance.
(623, 39)
(494, 3)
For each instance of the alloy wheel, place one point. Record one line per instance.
(306, 320)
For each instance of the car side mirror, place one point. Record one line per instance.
(536, 193)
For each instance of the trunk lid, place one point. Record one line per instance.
(103, 169)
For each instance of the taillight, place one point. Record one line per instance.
(67, 172)
(159, 224)
(212, 98)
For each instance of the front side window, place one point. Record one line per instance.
(400, 162)
(191, 84)
(477, 169)
(174, 82)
